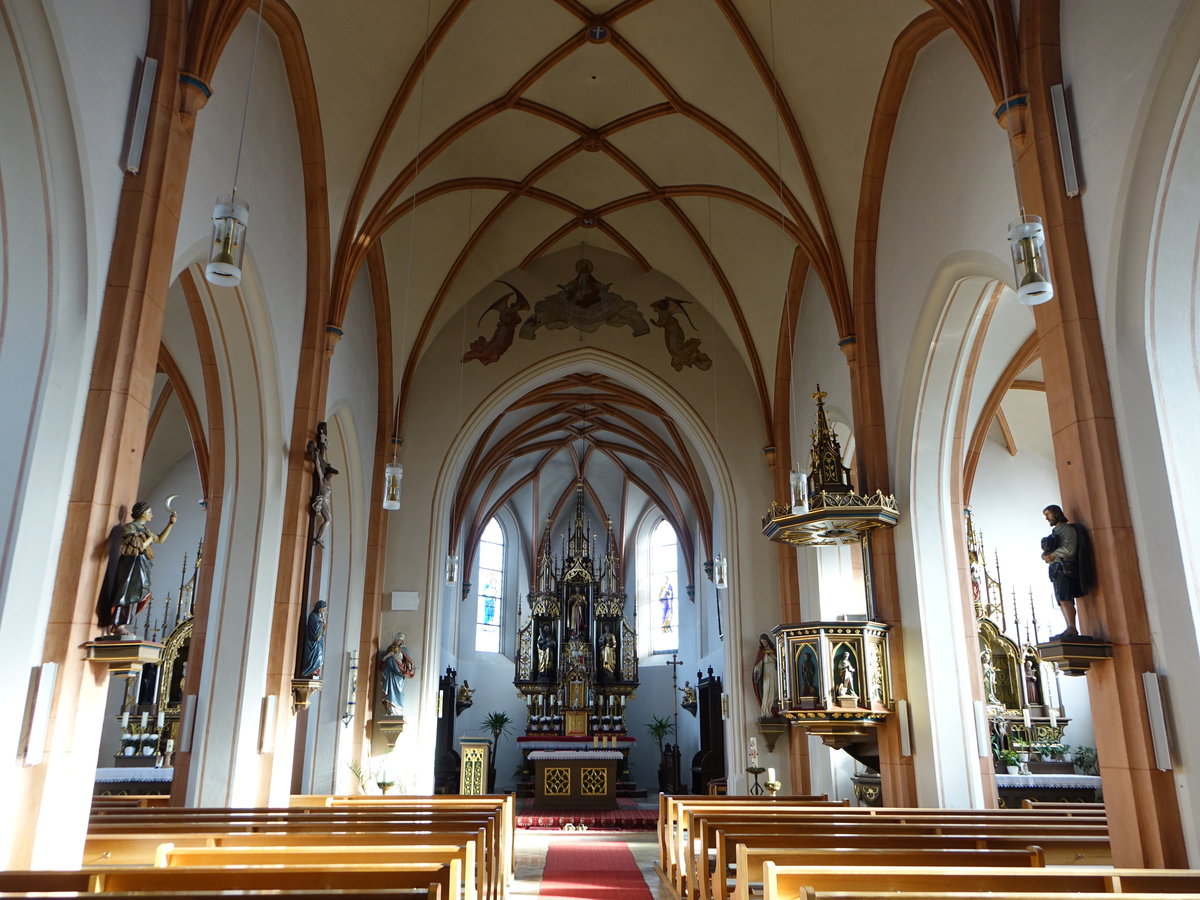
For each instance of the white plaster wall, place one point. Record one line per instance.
(270, 180)
(960, 230)
(1152, 356)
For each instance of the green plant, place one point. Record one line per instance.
(1086, 761)
(1009, 757)
(660, 729)
(497, 723)
(356, 770)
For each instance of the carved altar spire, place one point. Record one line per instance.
(826, 472)
(610, 582)
(544, 568)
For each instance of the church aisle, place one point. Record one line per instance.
(532, 846)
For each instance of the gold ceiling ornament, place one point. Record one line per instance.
(824, 510)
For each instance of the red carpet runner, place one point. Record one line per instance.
(591, 870)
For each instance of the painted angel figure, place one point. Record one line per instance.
(684, 351)
(488, 350)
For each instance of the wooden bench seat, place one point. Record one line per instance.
(170, 856)
(1056, 850)
(988, 895)
(750, 860)
(174, 882)
(696, 850)
(790, 882)
(432, 892)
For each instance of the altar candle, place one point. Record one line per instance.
(170, 746)
(752, 757)
(770, 776)
(145, 720)
(1053, 717)
(125, 720)
(1028, 723)
(160, 721)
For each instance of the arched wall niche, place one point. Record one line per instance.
(933, 417)
(328, 745)
(1156, 385)
(714, 462)
(224, 768)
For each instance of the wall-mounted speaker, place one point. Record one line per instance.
(139, 114)
(1066, 142)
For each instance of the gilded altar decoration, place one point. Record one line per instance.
(576, 654)
(584, 303)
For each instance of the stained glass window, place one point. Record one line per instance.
(664, 589)
(490, 579)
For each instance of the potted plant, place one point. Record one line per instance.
(497, 722)
(1085, 761)
(1012, 762)
(660, 729)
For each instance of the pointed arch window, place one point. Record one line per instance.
(490, 578)
(664, 589)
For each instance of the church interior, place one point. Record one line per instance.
(585, 399)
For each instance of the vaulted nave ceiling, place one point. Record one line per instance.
(721, 143)
(652, 128)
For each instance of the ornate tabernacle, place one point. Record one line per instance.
(576, 655)
(834, 678)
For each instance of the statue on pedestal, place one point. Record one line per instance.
(395, 665)
(130, 590)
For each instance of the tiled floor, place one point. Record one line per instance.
(531, 849)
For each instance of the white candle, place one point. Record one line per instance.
(160, 721)
(170, 746)
(1053, 717)
(145, 720)
(125, 720)
(770, 776)
(752, 756)
(1028, 723)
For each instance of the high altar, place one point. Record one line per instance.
(577, 664)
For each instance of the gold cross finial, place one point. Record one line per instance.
(820, 394)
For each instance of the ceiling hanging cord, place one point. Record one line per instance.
(393, 472)
(797, 473)
(1026, 233)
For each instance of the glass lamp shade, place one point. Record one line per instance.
(799, 485)
(392, 476)
(721, 573)
(224, 268)
(452, 569)
(1027, 242)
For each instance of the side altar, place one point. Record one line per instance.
(577, 665)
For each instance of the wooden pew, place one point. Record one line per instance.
(987, 895)
(1057, 850)
(274, 877)
(695, 853)
(750, 861)
(432, 892)
(170, 856)
(346, 882)
(1063, 806)
(674, 812)
(112, 832)
(669, 804)
(790, 882)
